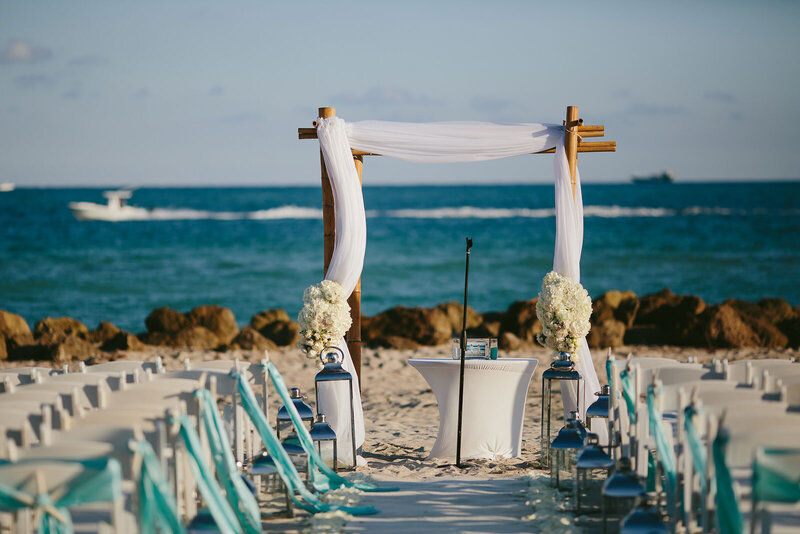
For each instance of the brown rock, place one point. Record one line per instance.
(249, 338)
(263, 318)
(282, 333)
(791, 328)
(609, 333)
(645, 335)
(57, 352)
(455, 314)
(13, 326)
(51, 330)
(104, 332)
(520, 319)
(165, 320)
(627, 309)
(776, 310)
(395, 342)
(194, 337)
(722, 326)
(122, 341)
(509, 341)
(3, 350)
(159, 339)
(217, 319)
(676, 315)
(424, 326)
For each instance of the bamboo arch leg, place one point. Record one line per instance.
(329, 238)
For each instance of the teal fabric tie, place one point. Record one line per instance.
(696, 447)
(157, 509)
(666, 454)
(729, 518)
(332, 479)
(283, 464)
(99, 480)
(220, 510)
(628, 394)
(239, 497)
(773, 479)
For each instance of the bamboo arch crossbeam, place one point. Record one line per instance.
(575, 132)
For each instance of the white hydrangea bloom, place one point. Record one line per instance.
(564, 309)
(325, 317)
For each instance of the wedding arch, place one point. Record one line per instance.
(343, 147)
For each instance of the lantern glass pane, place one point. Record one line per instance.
(339, 416)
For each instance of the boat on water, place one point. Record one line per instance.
(665, 177)
(116, 209)
(6, 187)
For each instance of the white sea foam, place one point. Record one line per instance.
(460, 212)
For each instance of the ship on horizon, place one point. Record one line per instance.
(665, 177)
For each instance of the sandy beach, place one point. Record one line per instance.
(402, 418)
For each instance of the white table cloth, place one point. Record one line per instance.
(495, 392)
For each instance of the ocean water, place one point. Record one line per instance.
(256, 248)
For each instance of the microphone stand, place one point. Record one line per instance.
(463, 359)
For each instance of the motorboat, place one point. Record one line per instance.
(6, 187)
(116, 209)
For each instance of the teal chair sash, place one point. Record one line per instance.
(220, 510)
(330, 479)
(157, 509)
(696, 447)
(99, 480)
(776, 475)
(729, 518)
(666, 454)
(241, 500)
(628, 394)
(283, 464)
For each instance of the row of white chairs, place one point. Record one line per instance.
(752, 404)
(97, 411)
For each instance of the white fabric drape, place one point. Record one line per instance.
(567, 262)
(441, 142)
(345, 268)
(450, 142)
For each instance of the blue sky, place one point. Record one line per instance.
(212, 93)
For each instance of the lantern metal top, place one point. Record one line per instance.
(592, 457)
(562, 368)
(302, 408)
(599, 408)
(332, 358)
(322, 431)
(569, 437)
(644, 519)
(623, 483)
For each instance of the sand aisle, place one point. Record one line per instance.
(453, 505)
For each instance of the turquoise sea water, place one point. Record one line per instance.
(255, 248)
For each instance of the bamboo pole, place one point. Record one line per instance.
(328, 210)
(329, 234)
(571, 143)
(354, 300)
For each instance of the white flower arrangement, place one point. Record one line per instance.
(325, 317)
(564, 309)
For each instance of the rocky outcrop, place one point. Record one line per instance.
(520, 320)
(218, 320)
(205, 327)
(14, 332)
(425, 326)
(612, 313)
(455, 315)
(276, 326)
(122, 341)
(104, 332)
(249, 338)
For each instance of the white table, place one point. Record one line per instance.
(495, 392)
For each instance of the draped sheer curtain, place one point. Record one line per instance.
(439, 142)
